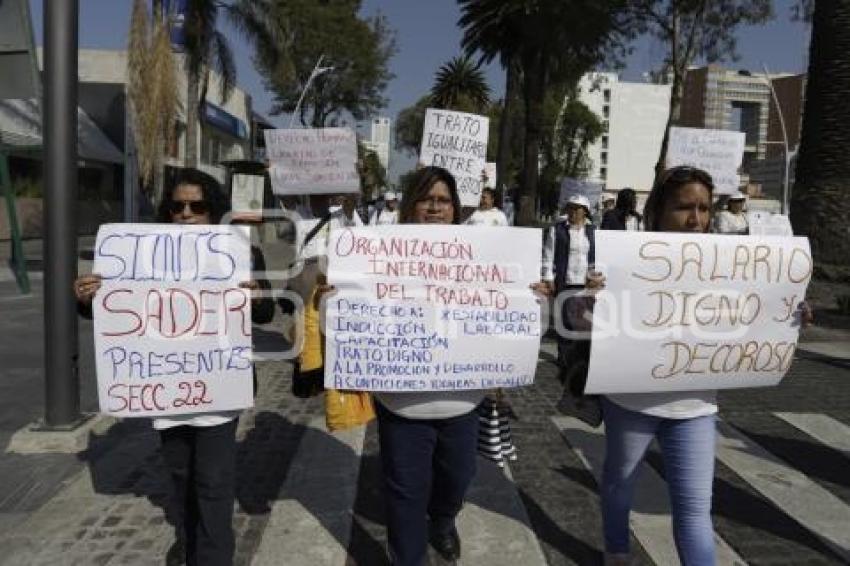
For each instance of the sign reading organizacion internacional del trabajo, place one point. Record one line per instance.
(432, 308)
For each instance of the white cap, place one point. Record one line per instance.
(390, 195)
(579, 200)
(738, 196)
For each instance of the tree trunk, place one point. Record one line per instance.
(676, 93)
(192, 97)
(820, 205)
(534, 82)
(512, 88)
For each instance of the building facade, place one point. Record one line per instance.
(379, 140)
(634, 116)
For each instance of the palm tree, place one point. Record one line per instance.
(460, 85)
(560, 38)
(820, 205)
(152, 89)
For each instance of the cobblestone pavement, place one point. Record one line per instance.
(106, 505)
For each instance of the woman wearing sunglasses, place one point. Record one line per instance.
(199, 449)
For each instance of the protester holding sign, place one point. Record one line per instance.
(198, 448)
(733, 220)
(427, 438)
(683, 422)
(487, 213)
(569, 266)
(624, 215)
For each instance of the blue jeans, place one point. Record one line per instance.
(428, 466)
(687, 446)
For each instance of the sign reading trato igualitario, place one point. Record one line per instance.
(696, 311)
(457, 141)
(172, 326)
(432, 308)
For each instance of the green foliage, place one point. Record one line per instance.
(408, 126)
(358, 50)
(460, 85)
(372, 173)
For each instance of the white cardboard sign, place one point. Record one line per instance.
(719, 152)
(685, 312)
(246, 196)
(314, 161)
(172, 327)
(457, 141)
(432, 308)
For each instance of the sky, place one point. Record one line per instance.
(427, 36)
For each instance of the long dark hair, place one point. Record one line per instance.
(418, 188)
(213, 196)
(667, 184)
(627, 204)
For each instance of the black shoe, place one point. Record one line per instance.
(447, 544)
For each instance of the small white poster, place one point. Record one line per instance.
(457, 141)
(246, 196)
(684, 312)
(432, 308)
(312, 161)
(718, 152)
(172, 326)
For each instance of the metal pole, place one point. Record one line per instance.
(786, 154)
(62, 384)
(313, 75)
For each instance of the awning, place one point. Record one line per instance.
(20, 126)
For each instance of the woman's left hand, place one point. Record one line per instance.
(595, 281)
(543, 289)
(252, 286)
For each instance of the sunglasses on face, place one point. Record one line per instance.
(196, 206)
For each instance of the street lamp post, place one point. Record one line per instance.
(317, 70)
(62, 382)
(786, 153)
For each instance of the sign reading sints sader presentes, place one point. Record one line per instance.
(172, 326)
(457, 141)
(695, 311)
(432, 308)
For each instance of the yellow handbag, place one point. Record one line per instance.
(347, 409)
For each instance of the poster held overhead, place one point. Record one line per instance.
(694, 312)
(457, 141)
(172, 326)
(314, 161)
(718, 152)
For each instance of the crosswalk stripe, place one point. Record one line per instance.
(650, 517)
(310, 523)
(494, 526)
(796, 495)
(822, 428)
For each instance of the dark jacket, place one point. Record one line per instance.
(615, 219)
(562, 250)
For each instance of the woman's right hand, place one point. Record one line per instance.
(86, 286)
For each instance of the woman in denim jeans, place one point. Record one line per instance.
(683, 422)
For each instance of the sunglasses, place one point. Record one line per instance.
(196, 206)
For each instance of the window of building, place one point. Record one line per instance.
(606, 111)
(603, 172)
(604, 158)
(607, 95)
(604, 142)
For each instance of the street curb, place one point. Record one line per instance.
(31, 440)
